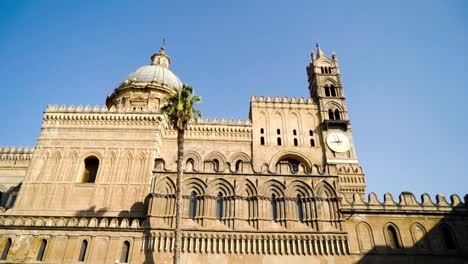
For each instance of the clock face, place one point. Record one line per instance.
(338, 141)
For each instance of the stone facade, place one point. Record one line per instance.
(284, 186)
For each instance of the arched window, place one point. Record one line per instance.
(84, 248)
(337, 114)
(327, 91)
(311, 133)
(91, 165)
(193, 205)
(274, 213)
(312, 142)
(392, 235)
(262, 141)
(278, 131)
(6, 249)
(330, 114)
(300, 213)
(294, 132)
(216, 165)
(332, 90)
(190, 164)
(278, 140)
(238, 165)
(219, 206)
(448, 238)
(321, 70)
(40, 253)
(295, 142)
(125, 251)
(262, 130)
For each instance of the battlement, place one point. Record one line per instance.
(407, 203)
(282, 101)
(96, 109)
(223, 121)
(16, 153)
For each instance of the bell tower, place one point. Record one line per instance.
(326, 89)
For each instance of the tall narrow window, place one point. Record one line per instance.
(262, 130)
(295, 142)
(274, 213)
(40, 253)
(125, 252)
(337, 114)
(216, 165)
(91, 165)
(330, 114)
(321, 70)
(84, 248)
(312, 142)
(294, 132)
(300, 213)
(327, 91)
(278, 141)
(6, 249)
(190, 165)
(219, 206)
(332, 90)
(193, 205)
(448, 238)
(262, 141)
(238, 165)
(311, 133)
(392, 235)
(278, 131)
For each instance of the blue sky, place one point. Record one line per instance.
(404, 67)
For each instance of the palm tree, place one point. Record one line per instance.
(180, 111)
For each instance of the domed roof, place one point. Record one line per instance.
(158, 71)
(155, 73)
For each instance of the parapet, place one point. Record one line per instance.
(282, 101)
(407, 203)
(16, 153)
(95, 109)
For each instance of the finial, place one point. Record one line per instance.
(317, 44)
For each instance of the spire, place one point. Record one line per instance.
(319, 51)
(161, 58)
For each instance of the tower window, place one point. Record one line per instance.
(193, 205)
(262, 141)
(294, 132)
(125, 252)
(327, 91)
(274, 213)
(91, 165)
(40, 253)
(337, 115)
(300, 213)
(311, 133)
(312, 142)
(262, 130)
(278, 131)
(332, 90)
(6, 249)
(278, 140)
(219, 206)
(331, 116)
(295, 142)
(392, 235)
(321, 70)
(84, 248)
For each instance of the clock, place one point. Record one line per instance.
(338, 141)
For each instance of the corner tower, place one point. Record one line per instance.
(326, 89)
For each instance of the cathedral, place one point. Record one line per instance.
(283, 186)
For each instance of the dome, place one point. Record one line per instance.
(155, 73)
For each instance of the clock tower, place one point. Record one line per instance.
(326, 89)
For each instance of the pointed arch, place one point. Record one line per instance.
(299, 187)
(272, 187)
(220, 186)
(392, 236)
(165, 186)
(194, 185)
(365, 237)
(282, 155)
(325, 190)
(196, 157)
(216, 155)
(418, 234)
